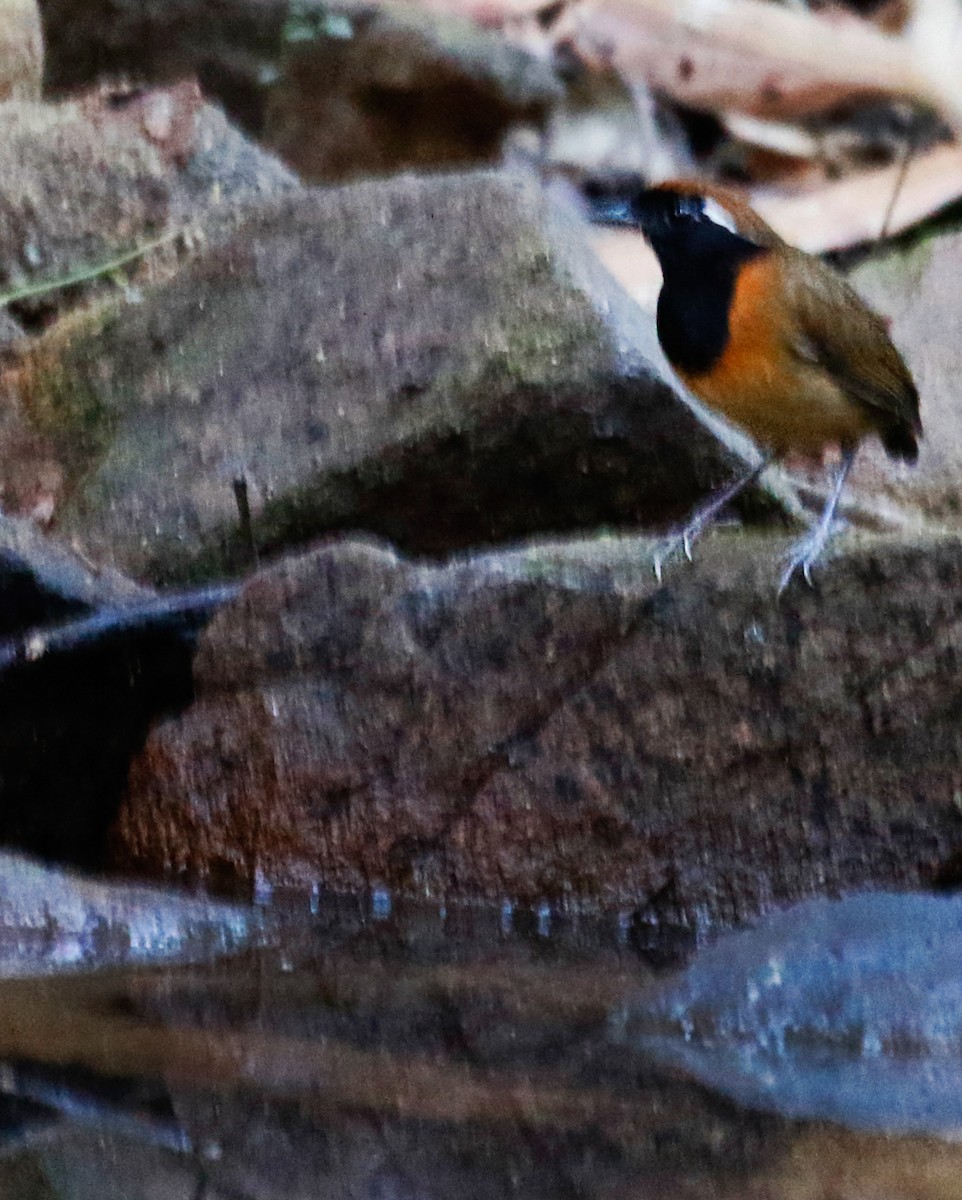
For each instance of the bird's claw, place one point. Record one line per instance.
(804, 556)
(788, 573)
(680, 542)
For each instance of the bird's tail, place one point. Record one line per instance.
(900, 441)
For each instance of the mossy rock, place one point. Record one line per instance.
(439, 360)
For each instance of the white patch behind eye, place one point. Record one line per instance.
(719, 215)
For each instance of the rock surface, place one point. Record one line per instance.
(549, 723)
(87, 180)
(51, 920)
(10, 332)
(917, 290)
(338, 93)
(21, 50)
(371, 93)
(845, 1011)
(438, 360)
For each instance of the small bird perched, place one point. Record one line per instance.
(770, 337)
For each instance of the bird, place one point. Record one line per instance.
(772, 338)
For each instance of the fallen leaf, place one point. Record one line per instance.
(756, 57)
(852, 211)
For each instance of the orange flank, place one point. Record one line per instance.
(762, 383)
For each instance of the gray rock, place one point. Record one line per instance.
(87, 184)
(366, 93)
(88, 180)
(10, 331)
(21, 50)
(847, 1011)
(52, 920)
(438, 360)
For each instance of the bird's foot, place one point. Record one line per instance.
(804, 554)
(679, 543)
(700, 520)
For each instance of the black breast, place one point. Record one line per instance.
(694, 302)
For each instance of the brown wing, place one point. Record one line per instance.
(834, 328)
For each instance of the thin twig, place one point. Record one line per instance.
(906, 158)
(195, 605)
(242, 499)
(84, 274)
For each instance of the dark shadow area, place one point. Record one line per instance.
(25, 602)
(549, 475)
(158, 41)
(69, 725)
(71, 719)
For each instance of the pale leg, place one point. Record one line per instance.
(702, 518)
(805, 553)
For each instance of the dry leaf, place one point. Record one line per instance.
(851, 211)
(751, 55)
